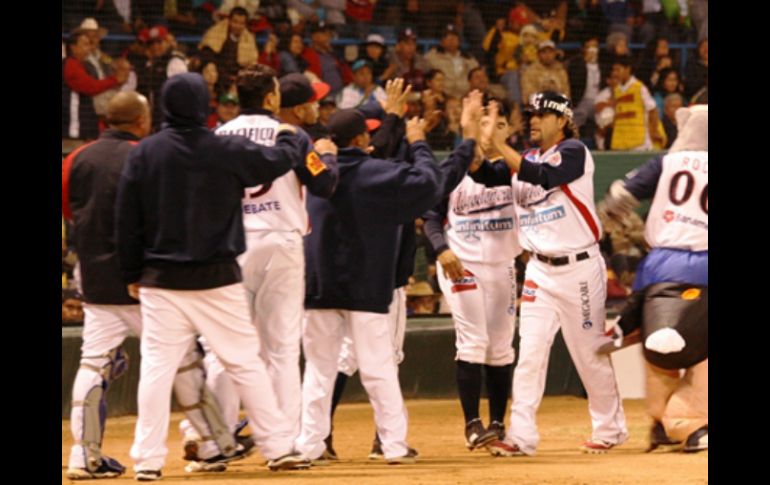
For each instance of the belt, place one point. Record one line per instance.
(561, 260)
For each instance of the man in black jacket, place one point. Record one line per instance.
(351, 271)
(89, 184)
(585, 80)
(179, 231)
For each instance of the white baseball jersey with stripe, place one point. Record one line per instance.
(562, 219)
(679, 215)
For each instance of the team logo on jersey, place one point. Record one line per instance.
(585, 305)
(470, 228)
(668, 216)
(542, 217)
(314, 163)
(529, 290)
(466, 283)
(553, 159)
(671, 216)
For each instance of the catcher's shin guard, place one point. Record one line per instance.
(200, 405)
(89, 402)
(675, 317)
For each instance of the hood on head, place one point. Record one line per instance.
(693, 129)
(185, 100)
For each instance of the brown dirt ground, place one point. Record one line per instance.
(436, 430)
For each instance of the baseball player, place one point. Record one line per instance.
(565, 279)
(89, 183)
(276, 220)
(179, 231)
(350, 260)
(473, 233)
(670, 300)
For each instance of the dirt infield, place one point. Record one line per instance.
(436, 430)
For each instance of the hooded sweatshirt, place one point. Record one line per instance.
(179, 220)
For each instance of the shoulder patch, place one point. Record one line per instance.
(553, 159)
(314, 163)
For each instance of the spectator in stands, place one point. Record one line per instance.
(180, 17)
(526, 53)
(102, 64)
(323, 62)
(431, 16)
(656, 56)
(477, 79)
(636, 125)
(500, 45)
(550, 15)
(374, 52)
(159, 64)
(434, 109)
(405, 62)
(519, 138)
(230, 45)
(228, 109)
(290, 55)
(362, 90)
(585, 19)
(71, 307)
(669, 83)
(455, 64)
(547, 74)
(359, 15)
(269, 53)
(332, 12)
(585, 78)
(604, 112)
(80, 84)
(619, 15)
(663, 19)
(699, 11)
(420, 299)
(671, 103)
(697, 71)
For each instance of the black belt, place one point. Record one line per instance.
(561, 260)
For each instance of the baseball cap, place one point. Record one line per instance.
(152, 34)
(346, 124)
(407, 34)
(228, 98)
(361, 63)
(90, 23)
(546, 44)
(296, 89)
(450, 29)
(549, 102)
(320, 27)
(375, 39)
(519, 15)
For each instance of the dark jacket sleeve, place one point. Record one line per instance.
(319, 173)
(404, 191)
(434, 226)
(456, 165)
(643, 182)
(257, 164)
(563, 166)
(388, 138)
(492, 174)
(129, 221)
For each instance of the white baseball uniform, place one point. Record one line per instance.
(480, 230)
(565, 287)
(273, 267)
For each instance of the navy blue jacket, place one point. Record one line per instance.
(179, 219)
(351, 255)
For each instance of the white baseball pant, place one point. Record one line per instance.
(172, 320)
(484, 312)
(348, 364)
(570, 297)
(323, 333)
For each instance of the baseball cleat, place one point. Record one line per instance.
(109, 468)
(376, 453)
(409, 458)
(498, 428)
(289, 461)
(148, 475)
(595, 446)
(330, 454)
(659, 438)
(698, 440)
(501, 448)
(476, 436)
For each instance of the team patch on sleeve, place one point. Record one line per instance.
(314, 163)
(553, 159)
